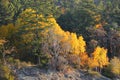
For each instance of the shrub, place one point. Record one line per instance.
(115, 66)
(74, 60)
(94, 73)
(17, 63)
(107, 72)
(6, 73)
(113, 69)
(62, 63)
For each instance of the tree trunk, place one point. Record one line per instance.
(4, 60)
(39, 63)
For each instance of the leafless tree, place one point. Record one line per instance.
(52, 46)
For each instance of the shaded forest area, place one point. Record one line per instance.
(59, 34)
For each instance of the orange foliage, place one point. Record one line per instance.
(84, 60)
(92, 63)
(98, 25)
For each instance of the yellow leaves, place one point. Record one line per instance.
(96, 53)
(51, 19)
(82, 44)
(74, 44)
(99, 52)
(92, 63)
(65, 38)
(100, 55)
(78, 44)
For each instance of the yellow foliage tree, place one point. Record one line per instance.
(82, 45)
(99, 58)
(74, 44)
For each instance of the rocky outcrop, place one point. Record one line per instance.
(34, 73)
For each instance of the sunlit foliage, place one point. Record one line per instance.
(99, 58)
(115, 66)
(29, 32)
(84, 60)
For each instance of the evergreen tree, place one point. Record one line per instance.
(6, 11)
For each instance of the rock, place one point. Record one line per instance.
(29, 78)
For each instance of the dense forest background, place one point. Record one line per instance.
(83, 34)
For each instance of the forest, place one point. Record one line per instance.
(60, 34)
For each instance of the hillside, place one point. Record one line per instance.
(59, 39)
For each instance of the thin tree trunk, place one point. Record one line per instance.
(4, 60)
(39, 63)
(3, 55)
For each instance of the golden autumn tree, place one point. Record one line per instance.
(82, 52)
(82, 45)
(99, 58)
(74, 44)
(77, 44)
(78, 48)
